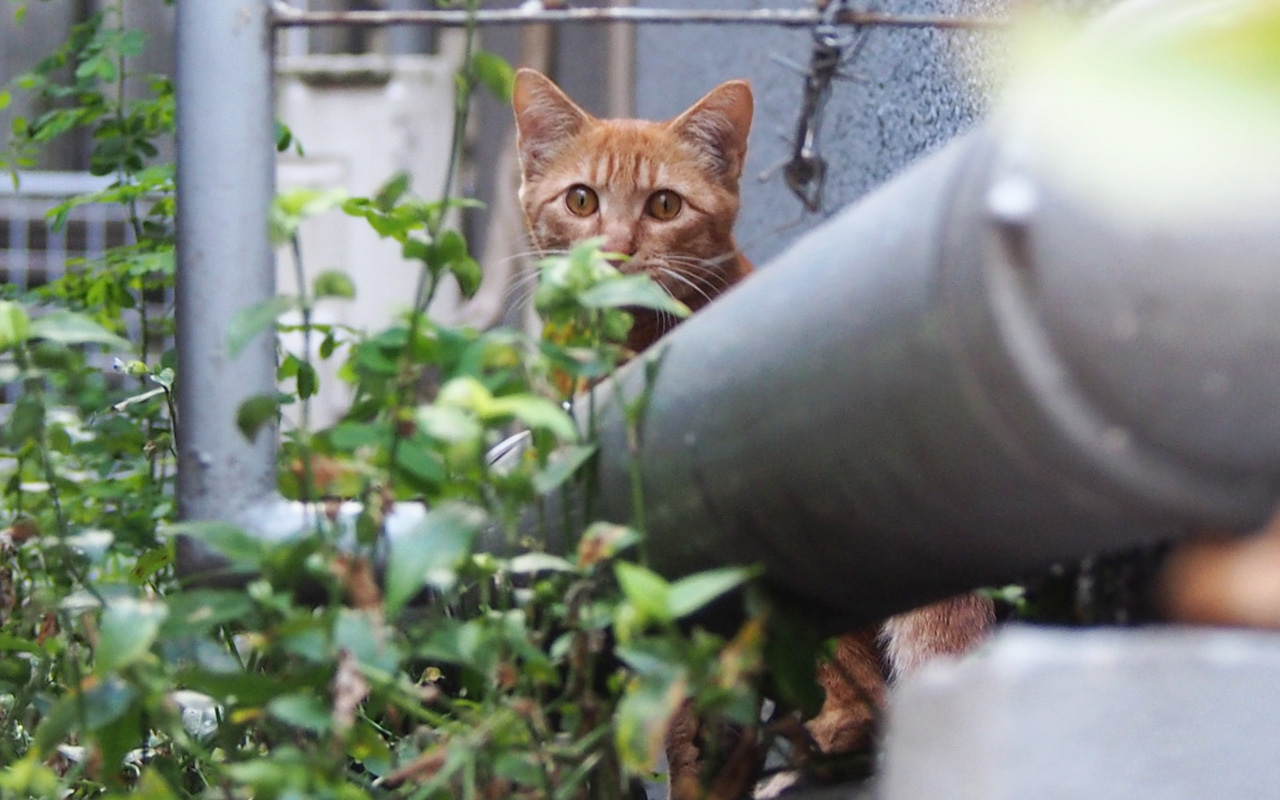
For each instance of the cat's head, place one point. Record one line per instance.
(663, 193)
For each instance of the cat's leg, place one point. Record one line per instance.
(947, 628)
(854, 683)
(855, 686)
(692, 775)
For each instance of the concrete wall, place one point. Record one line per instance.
(916, 89)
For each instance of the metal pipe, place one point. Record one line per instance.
(226, 179)
(286, 15)
(967, 377)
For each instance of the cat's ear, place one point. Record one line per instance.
(718, 124)
(545, 118)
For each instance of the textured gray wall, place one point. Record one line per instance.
(1104, 714)
(916, 90)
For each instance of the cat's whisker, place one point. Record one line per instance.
(533, 255)
(686, 281)
(709, 262)
(713, 281)
(522, 287)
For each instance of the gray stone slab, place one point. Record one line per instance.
(1159, 714)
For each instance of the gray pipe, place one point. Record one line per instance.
(226, 179)
(959, 381)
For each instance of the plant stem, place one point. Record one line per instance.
(428, 281)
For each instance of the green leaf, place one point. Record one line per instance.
(431, 554)
(256, 413)
(691, 593)
(26, 421)
(495, 73)
(561, 466)
(15, 325)
(284, 137)
(68, 327)
(195, 611)
(126, 633)
(351, 435)
(302, 711)
(449, 424)
(534, 411)
(519, 768)
(307, 381)
(416, 457)
(242, 549)
(334, 283)
(530, 563)
(644, 716)
(101, 704)
(367, 638)
(632, 290)
(391, 191)
(293, 207)
(14, 644)
(253, 320)
(467, 272)
(151, 562)
(645, 589)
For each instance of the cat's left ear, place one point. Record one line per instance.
(546, 119)
(718, 124)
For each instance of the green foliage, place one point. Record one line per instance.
(478, 665)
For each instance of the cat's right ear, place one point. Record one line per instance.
(545, 118)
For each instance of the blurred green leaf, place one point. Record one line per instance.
(126, 633)
(249, 322)
(243, 550)
(15, 325)
(391, 191)
(70, 327)
(302, 711)
(632, 290)
(256, 413)
(644, 716)
(561, 466)
(646, 590)
(495, 73)
(534, 411)
(691, 593)
(430, 555)
(334, 283)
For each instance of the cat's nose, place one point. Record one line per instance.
(621, 242)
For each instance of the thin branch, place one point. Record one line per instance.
(287, 16)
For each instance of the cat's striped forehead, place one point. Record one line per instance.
(629, 155)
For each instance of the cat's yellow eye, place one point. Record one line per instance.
(582, 200)
(664, 205)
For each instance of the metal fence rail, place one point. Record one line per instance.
(35, 253)
(32, 252)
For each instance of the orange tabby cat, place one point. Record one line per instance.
(666, 195)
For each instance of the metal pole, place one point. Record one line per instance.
(288, 16)
(226, 179)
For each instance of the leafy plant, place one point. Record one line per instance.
(458, 658)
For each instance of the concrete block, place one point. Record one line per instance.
(1102, 714)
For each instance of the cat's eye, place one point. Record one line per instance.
(582, 200)
(664, 205)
